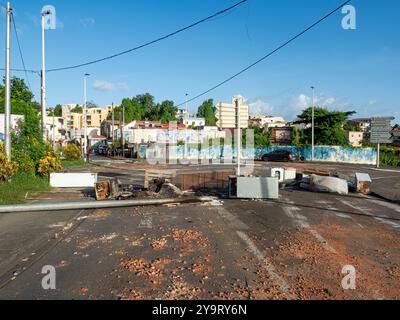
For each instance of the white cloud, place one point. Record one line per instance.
(303, 101)
(259, 107)
(372, 102)
(103, 85)
(87, 22)
(293, 106)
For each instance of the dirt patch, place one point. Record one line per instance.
(100, 214)
(159, 244)
(190, 240)
(180, 289)
(151, 270)
(374, 254)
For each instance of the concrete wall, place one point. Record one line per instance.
(350, 155)
(366, 156)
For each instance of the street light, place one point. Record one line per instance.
(313, 126)
(48, 22)
(186, 105)
(85, 144)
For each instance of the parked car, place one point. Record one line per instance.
(100, 150)
(281, 156)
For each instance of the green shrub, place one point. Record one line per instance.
(72, 152)
(24, 162)
(390, 156)
(7, 168)
(49, 164)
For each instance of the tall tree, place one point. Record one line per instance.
(262, 136)
(143, 107)
(57, 111)
(329, 126)
(164, 112)
(29, 139)
(91, 105)
(207, 111)
(77, 109)
(297, 137)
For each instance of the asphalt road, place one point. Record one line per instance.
(293, 248)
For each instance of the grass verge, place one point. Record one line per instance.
(73, 163)
(14, 192)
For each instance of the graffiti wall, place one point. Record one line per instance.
(367, 156)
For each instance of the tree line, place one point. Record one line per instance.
(330, 126)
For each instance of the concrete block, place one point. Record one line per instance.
(254, 188)
(363, 183)
(290, 174)
(276, 173)
(73, 180)
(329, 185)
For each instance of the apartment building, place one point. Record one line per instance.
(226, 114)
(56, 129)
(74, 120)
(95, 117)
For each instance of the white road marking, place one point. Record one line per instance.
(384, 170)
(389, 222)
(345, 216)
(389, 205)
(233, 221)
(146, 222)
(269, 267)
(301, 221)
(353, 206)
(368, 211)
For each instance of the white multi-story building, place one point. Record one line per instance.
(56, 129)
(226, 114)
(182, 114)
(267, 121)
(156, 135)
(194, 122)
(15, 119)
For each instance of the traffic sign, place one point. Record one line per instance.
(380, 130)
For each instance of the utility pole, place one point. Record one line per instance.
(239, 137)
(313, 126)
(122, 131)
(85, 145)
(54, 133)
(43, 75)
(378, 158)
(113, 124)
(48, 13)
(186, 105)
(7, 114)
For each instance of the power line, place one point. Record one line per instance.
(151, 42)
(20, 51)
(267, 55)
(23, 70)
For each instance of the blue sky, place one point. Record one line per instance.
(351, 69)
